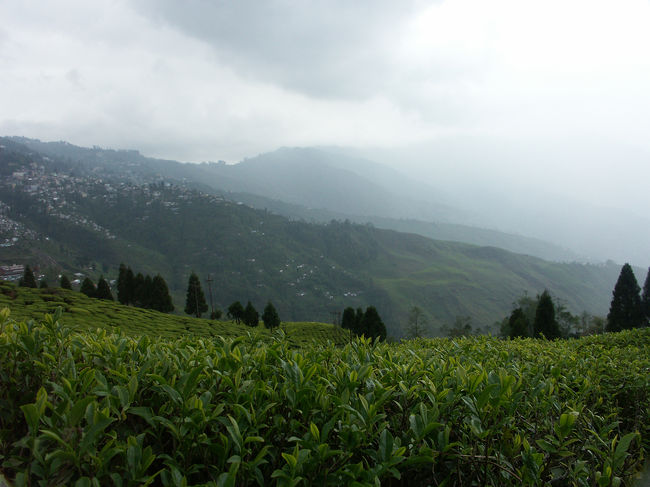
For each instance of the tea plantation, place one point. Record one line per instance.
(104, 408)
(84, 313)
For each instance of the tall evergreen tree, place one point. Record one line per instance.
(270, 316)
(147, 292)
(645, 299)
(161, 299)
(103, 290)
(122, 290)
(372, 324)
(88, 287)
(43, 284)
(129, 286)
(359, 324)
(28, 279)
(139, 292)
(348, 320)
(625, 311)
(195, 299)
(545, 322)
(236, 312)
(65, 282)
(251, 316)
(518, 323)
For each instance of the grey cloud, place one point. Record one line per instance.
(321, 49)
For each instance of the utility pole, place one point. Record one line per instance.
(209, 281)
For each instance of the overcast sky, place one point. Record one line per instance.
(552, 90)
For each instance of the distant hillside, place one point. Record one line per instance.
(309, 271)
(305, 183)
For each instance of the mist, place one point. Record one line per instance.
(528, 118)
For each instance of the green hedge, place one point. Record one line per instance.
(81, 408)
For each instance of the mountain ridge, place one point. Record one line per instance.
(224, 179)
(308, 270)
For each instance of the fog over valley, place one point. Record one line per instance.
(524, 118)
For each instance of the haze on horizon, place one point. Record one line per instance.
(534, 104)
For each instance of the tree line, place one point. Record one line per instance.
(360, 323)
(143, 291)
(195, 304)
(541, 317)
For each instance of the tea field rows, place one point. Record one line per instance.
(84, 313)
(103, 408)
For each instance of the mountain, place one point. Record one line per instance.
(93, 222)
(312, 184)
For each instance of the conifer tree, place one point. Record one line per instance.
(236, 312)
(518, 323)
(195, 299)
(28, 279)
(645, 298)
(372, 324)
(103, 290)
(348, 320)
(359, 324)
(65, 282)
(129, 286)
(270, 316)
(138, 296)
(251, 316)
(147, 292)
(545, 322)
(43, 284)
(161, 299)
(87, 287)
(625, 310)
(122, 291)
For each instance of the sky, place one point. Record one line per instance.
(546, 94)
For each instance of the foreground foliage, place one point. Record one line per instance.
(80, 408)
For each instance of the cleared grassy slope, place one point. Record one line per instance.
(84, 313)
(453, 279)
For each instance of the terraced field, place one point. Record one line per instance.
(84, 313)
(101, 408)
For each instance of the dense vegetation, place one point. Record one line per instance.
(88, 314)
(106, 409)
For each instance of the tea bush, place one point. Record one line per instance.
(89, 409)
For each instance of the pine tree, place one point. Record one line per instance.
(518, 323)
(103, 290)
(161, 299)
(138, 297)
(236, 312)
(122, 291)
(625, 311)
(43, 284)
(645, 299)
(146, 294)
(372, 324)
(348, 320)
(195, 300)
(28, 279)
(88, 288)
(129, 286)
(545, 322)
(359, 324)
(251, 316)
(270, 316)
(65, 282)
